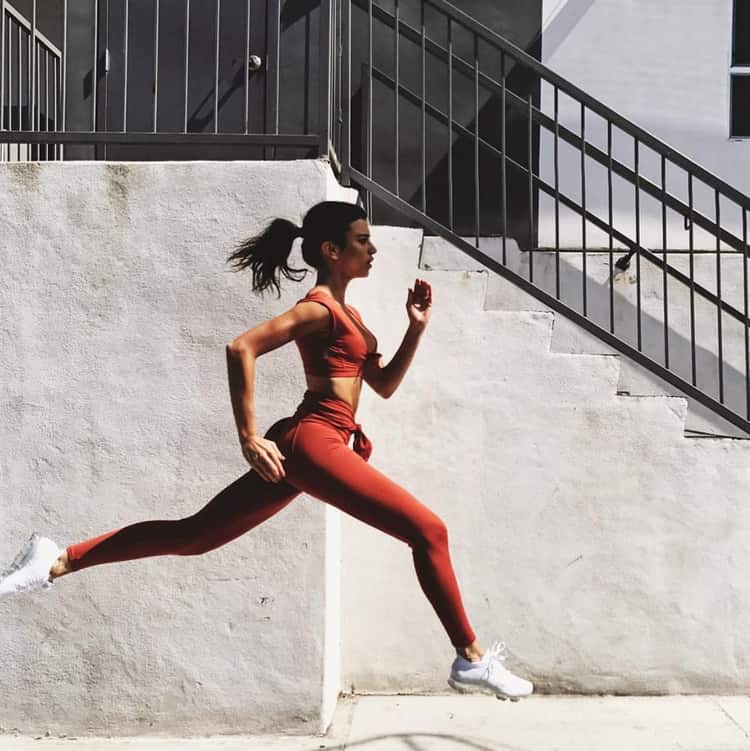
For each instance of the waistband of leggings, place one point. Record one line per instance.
(333, 410)
(337, 413)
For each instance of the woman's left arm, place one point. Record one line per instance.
(384, 380)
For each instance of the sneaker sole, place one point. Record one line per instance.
(471, 688)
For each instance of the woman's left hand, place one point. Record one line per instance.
(419, 303)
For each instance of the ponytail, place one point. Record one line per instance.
(267, 254)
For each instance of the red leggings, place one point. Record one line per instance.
(320, 463)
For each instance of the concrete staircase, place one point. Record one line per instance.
(608, 549)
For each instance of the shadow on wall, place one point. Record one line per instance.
(625, 305)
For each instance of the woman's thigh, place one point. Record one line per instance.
(325, 467)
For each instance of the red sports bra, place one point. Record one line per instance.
(344, 351)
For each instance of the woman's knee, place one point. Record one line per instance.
(433, 533)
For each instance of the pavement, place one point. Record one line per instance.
(477, 723)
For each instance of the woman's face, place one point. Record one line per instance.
(355, 260)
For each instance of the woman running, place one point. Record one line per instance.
(308, 452)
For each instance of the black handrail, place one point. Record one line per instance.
(622, 170)
(516, 152)
(430, 225)
(590, 102)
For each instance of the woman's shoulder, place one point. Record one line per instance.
(320, 305)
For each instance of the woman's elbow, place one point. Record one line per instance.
(384, 390)
(237, 348)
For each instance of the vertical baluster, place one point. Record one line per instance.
(610, 219)
(556, 145)
(63, 73)
(529, 158)
(187, 63)
(639, 325)
(246, 72)
(156, 66)
(30, 90)
(3, 147)
(46, 101)
(691, 246)
(216, 65)
(745, 298)
(424, 112)
(370, 114)
(346, 154)
(477, 194)
(665, 280)
(272, 72)
(125, 57)
(18, 93)
(56, 93)
(33, 74)
(584, 260)
(450, 124)
(397, 96)
(10, 82)
(95, 74)
(324, 83)
(719, 327)
(503, 173)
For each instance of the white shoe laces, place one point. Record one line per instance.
(497, 656)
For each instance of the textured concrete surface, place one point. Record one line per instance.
(606, 548)
(115, 306)
(450, 723)
(630, 291)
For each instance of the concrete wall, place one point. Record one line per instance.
(628, 295)
(665, 66)
(115, 305)
(607, 549)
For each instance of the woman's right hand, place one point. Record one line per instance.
(264, 457)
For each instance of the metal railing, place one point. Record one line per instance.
(436, 117)
(31, 85)
(150, 83)
(596, 189)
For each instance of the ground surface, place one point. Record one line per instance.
(459, 723)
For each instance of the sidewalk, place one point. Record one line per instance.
(463, 723)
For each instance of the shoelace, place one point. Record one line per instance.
(497, 657)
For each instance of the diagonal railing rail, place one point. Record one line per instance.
(594, 187)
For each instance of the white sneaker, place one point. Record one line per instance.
(30, 570)
(488, 676)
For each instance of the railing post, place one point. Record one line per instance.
(345, 94)
(273, 57)
(2, 81)
(325, 91)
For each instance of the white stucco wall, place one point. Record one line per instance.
(665, 66)
(627, 296)
(586, 530)
(115, 306)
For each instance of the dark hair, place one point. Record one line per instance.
(267, 253)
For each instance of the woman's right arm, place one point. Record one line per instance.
(304, 318)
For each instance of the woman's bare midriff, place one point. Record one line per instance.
(346, 389)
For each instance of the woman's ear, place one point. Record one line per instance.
(330, 250)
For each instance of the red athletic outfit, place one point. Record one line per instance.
(320, 463)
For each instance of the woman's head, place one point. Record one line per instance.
(327, 239)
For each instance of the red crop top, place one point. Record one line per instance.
(344, 351)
